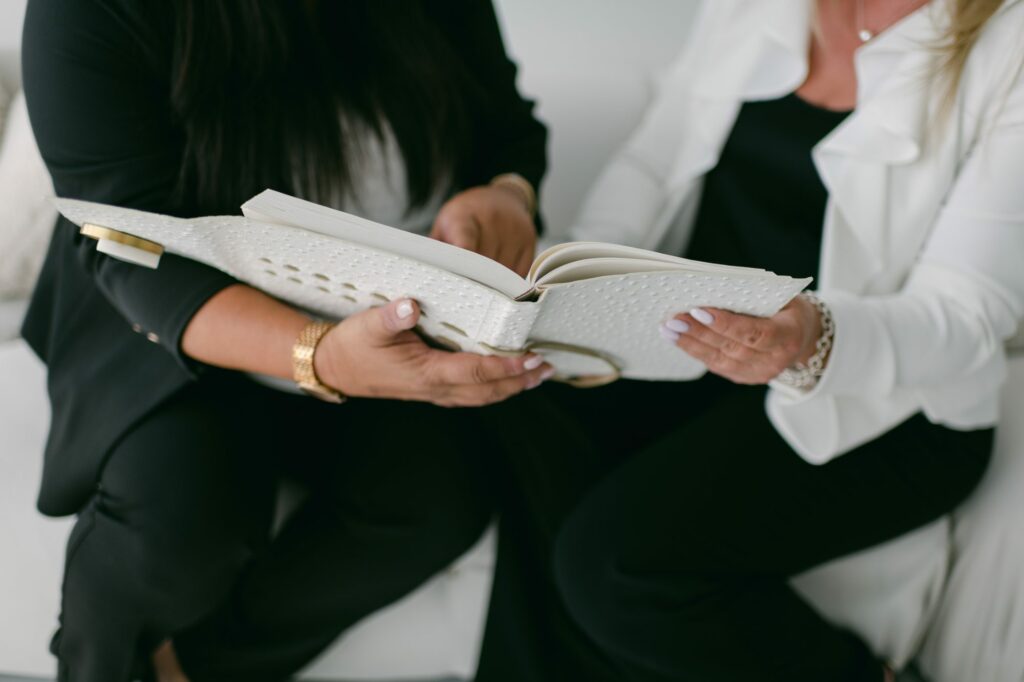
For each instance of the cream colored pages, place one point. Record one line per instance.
(554, 258)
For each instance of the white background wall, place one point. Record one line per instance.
(590, 63)
(556, 42)
(11, 14)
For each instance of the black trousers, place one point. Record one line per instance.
(176, 541)
(649, 533)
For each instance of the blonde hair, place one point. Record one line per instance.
(968, 19)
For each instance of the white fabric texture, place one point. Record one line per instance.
(978, 631)
(924, 229)
(27, 214)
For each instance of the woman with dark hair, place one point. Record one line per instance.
(166, 439)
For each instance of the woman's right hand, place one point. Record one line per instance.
(376, 354)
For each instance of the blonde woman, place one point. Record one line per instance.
(875, 144)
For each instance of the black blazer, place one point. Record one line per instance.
(108, 331)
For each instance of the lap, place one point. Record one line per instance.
(720, 490)
(215, 453)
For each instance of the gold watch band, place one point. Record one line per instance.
(302, 362)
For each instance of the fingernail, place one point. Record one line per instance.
(668, 334)
(533, 362)
(678, 326)
(404, 309)
(544, 376)
(702, 316)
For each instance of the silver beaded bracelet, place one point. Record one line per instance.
(805, 375)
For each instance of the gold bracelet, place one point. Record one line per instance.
(521, 186)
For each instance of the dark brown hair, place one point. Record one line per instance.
(260, 89)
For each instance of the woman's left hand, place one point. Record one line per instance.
(493, 221)
(747, 349)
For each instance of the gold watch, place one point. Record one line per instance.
(302, 363)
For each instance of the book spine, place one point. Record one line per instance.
(508, 323)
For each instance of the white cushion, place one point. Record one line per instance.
(978, 632)
(11, 315)
(30, 573)
(887, 594)
(26, 211)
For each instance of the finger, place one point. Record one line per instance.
(496, 391)
(524, 259)
(693, 328)
(384, 322)
(492, 245)
(457, 369)
(719, 363)
(755, 332)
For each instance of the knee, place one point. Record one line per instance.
(448, 529)
(588, 580)
(618, 586)
(186, 561)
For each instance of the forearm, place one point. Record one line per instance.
(243, 329)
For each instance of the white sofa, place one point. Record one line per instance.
(951, 594)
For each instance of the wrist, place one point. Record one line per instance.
(520, 187)
(326, 362)
(313, 372)
(813, 327)
(810, 366)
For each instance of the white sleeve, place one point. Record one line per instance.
(965, 296)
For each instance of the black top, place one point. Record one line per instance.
(110, 332)
(763, 205)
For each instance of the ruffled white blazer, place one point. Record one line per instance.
(923, 252)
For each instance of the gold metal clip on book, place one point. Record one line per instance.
(124, 246)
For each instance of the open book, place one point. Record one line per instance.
(592, 309)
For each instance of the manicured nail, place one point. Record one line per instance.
(678, 326)
(702, 316)
(532, 362)
(404, 309)
(668, 334)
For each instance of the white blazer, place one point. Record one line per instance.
(922, 259)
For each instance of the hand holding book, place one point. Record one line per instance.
(376, 354)
(491, 221)
(747, 349)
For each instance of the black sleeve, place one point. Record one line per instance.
(510, 138)
(101, 116)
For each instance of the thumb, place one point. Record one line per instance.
(392, 319)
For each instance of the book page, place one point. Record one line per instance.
(275, 207)
(582, 260)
